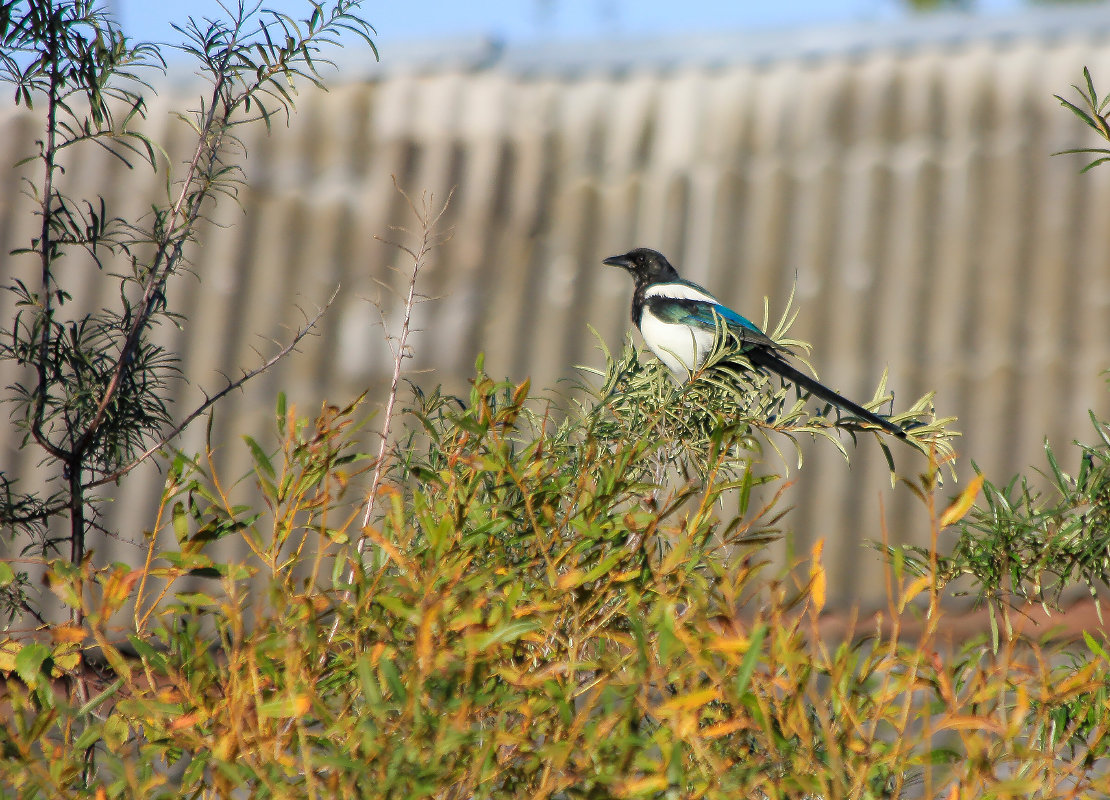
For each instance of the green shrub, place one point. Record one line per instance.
(535, 616)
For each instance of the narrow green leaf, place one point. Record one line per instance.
(393, 680)
(1094, 646)
(94, 702)
(510, 631)
(87, 739)
(751, 658)
(180, 522)
(194, 772)
(261, 460)
(1090, 87)
(367, 681)
(282, 708)
(606, 564)
(1083, 115)
(1094, 164)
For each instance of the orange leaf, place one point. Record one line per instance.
(722, 729)
(117, 589)
(966, 722)
(730, 644)
(424, 639)
(818, 580)
(67, 633)
(185, 721)
(169, 694)
(962, 504)
(570, 580)
(693, 700)
(639, 786)
(301, 704)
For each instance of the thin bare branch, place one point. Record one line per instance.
(429, 239)
(211, 400)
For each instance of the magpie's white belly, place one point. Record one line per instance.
(681, 348)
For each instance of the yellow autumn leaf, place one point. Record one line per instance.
(424, 637)
(722, 729)
(66, 657)
(169, 694)
(285, 707)
(916, 587)
(968, 722)
(693, 699)
(730, 644)
(962, 504)
(640, 786)
(186, 721)
(301, 704)
(571, 579)
(117, 589)
(67, 633)
(9, 649)
(818, 580)
(225, 747)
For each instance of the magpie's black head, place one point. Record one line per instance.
(645, 264)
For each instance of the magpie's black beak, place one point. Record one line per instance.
(618, 261)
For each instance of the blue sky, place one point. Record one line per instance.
(529, 20)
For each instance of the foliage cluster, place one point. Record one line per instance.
(1028, 543)
(535, 618)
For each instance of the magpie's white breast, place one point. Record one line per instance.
(682, 348)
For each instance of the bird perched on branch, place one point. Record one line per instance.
(679, 321)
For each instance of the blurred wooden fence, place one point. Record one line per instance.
(905, 186)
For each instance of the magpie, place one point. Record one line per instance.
(679, 321)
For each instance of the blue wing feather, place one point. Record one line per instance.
(732, 318)
(703, 315)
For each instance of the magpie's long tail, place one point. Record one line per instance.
(770, 361)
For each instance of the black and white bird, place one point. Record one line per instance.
(679, 321)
